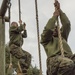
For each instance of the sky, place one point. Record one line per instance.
(45, 11)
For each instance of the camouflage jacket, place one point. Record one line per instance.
(16, 35)
(50, 43)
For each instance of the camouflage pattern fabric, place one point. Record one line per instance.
(23, 56)
(8, 70)
(23, 62)
(17, 33)
(59, 66)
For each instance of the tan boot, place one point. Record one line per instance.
(19, 73)
(19, 70)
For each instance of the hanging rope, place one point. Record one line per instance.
(60, 39)
(19, 20)
(37, 22)
(59, 35)
(19, 9)
(9, 13)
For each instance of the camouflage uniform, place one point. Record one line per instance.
(16, 41)
(57, 65)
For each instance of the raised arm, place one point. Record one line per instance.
(64, 20)
(65, 25)
(46, 36)
(24, 34)
(22, 26)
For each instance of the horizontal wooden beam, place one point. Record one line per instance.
(6, 19)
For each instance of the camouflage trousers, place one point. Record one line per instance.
(58, 65)
(23, 56)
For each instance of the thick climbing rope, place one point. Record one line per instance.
(59, 35)
(60, 39)
(37, 22)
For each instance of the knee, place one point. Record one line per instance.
(66, 66)
(66, 62)
(28, 57)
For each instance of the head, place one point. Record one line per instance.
(14, 24)
(55, 32)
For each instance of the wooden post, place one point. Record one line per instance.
(2, 47)
(2, 36)
(3, 8)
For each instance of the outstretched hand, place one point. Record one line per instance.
(56, 13)
(57, 8)
(57, 5)
(20, 21)
(24, 25)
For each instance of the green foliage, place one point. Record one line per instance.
(33, 71)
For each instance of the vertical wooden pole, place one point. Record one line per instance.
(4, 7)
(2, 47)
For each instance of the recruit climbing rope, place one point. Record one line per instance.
(37, 22)
(59, 35)
(9, 13)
